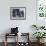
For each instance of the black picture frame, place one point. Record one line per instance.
(18, 13)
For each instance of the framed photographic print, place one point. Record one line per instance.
(18, 13)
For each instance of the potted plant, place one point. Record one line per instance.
(39, 35)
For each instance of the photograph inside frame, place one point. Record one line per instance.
(18, 13)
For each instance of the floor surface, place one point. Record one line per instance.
(13, 44)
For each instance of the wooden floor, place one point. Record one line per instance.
(13, 44)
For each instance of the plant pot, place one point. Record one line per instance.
(40, 41)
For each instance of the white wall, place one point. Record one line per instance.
(24, 25)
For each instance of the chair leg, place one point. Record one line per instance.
(5, 40)
(5, 43)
